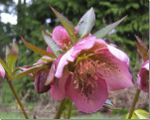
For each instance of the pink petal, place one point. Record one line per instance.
(2, 71)
(58, 91)
(114, 71)
(39, 82)
(71, 54)
(143, 77)
(60, 36)
(146, 65)
(95, 100)
(119, 54)
(49, 50)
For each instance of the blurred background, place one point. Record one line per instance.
(29, 17)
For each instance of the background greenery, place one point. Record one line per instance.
(32, 19)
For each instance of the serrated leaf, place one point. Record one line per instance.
(67, 24)
(142, 49)
(86, 23)
(36, 49)
(12, 56)
(50, 42)
(104, 31)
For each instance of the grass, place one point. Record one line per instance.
(99, 116)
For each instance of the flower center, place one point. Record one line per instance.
(85, 76)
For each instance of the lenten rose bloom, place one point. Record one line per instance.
(143, 77)
(2, 71)
(88, 71)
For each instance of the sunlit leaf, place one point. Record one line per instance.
(67, 24)
(104, 31)
(86, 23)
(139, 114)
(12, 53)
(142, 49)
(50, 42)
(36, 49)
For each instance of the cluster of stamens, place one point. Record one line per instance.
(85, 76)
(87, 71)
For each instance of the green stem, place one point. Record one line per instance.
(136, 97)
(69, 110)
(60, 109)
(17, 98)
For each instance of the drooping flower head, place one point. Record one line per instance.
(88, 71)
(2, 71)
(143, 77)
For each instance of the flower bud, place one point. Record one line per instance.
(39, 82)
(60, 36)
(2, 71)
(143, 77)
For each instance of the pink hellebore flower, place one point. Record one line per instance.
(143, 77)
(60, 36)
(87, 71)
(2, 71)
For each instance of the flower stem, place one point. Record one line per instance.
(69, 110)
(17, 98)
(136, 97)
(60, 109)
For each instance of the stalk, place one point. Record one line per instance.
(60, 109)
(17, 98)
(69, 110)
(136, 97)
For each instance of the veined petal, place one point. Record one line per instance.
(58, 91)
(143, 77)
(60, 36)
(119, 54)
(94, 102)
(114, 71)
(39, 81)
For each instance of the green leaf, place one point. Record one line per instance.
(104, 31)
(86, 23)
(32, 69)
(139, 114)
(51, 43)
(36, 49)
(67, 24)
(12, 53)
